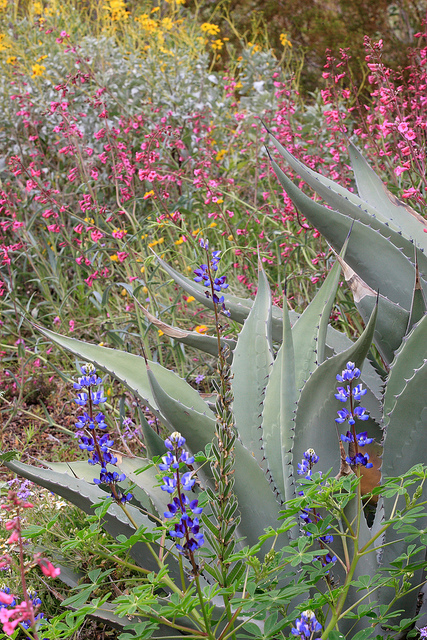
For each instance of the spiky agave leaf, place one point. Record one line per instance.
(405, 445)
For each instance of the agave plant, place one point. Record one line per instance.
(284, 370)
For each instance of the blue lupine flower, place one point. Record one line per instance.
(359, 458)
(358, 392)
(170, 484)
(81, 399)
(349, 373)
(343, 415)
(362, 439)
(204, 274)
(360, 413)
(307, 625)
(98, 398)
(187, 529)
(98, 446)
(311, 457)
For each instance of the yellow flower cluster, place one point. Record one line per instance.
(38, 70)
(3, 44)
(217, 45)
(285, 40)
(3, 5)
(210, 29)
(147, 23)
(116, 10)
(38, 8)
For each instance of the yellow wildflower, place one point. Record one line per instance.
(117, 10)
(114, 257)
(191, 299)
(213, 224)
(201, 328)
(11, 60)
(160, 332)
(210, 29)
(167, 24)
(231, 238)
(38, 70)
(142, 269)
(148, 194)
(217, 45)
(3, 45)
(195, 232)
(144, 290)
(124, 292)
(285, 40)
(147, 23)
(156, 242)
(38, 8)
(3, 5)
(219, 156)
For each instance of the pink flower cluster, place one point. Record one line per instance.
(11, 613)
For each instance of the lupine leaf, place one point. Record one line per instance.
(85, 496)
(252, 362)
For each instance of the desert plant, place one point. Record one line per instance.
(283, 406)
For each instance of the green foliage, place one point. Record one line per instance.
(287, 398)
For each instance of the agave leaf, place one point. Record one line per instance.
(392, 319)
(419, 304)
(85, 496)
(199, 430)
(378, 262)
(309, 331)
(317, 406)
(333, 193)
(278, 414)
(154, 444)
(238, 307)
(351, 205)
(409, 358)
(371, 189)
(208, 344)
(335, 340)
(367, 565)
(130, 370)
(405, 422)
(252, 362)
(338, 342)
